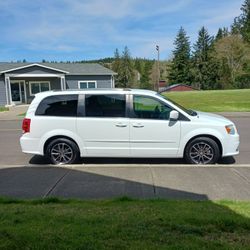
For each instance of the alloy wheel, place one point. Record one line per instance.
(62, 153)
(201, 153)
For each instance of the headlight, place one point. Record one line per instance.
(230, 129)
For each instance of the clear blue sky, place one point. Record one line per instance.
(92, 29)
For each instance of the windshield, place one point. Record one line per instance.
(188, 111)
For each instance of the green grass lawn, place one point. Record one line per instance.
(3, 109)
(213, 100)
(124, 224)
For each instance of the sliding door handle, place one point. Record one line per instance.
(121, 125)
(138, 125)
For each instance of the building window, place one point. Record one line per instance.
(87, 84)
(37, 87)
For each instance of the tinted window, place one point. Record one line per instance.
(58, 105)
(150, 108)
(105, 105)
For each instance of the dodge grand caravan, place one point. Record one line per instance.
(66, 125)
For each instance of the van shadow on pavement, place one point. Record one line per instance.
(40, 160)
(41, 182)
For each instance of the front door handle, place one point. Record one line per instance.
(121, 125)
(138, 125)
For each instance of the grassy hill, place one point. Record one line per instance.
(214, 100)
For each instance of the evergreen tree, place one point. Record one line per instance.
(219, 34)
(138, 65)
(203, 67)
(241, 23)
(116, 63)
(116, 66)
(145, 82)
(180, 69)
(236, 27)
(126, 69)
(246, 20)
(225, 32)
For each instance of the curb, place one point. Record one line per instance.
(89, 166)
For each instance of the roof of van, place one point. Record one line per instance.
(98, 90)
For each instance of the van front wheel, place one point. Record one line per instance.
(202, 150)
(62, 151)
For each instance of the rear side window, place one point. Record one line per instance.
(58, 105)
(105, 105)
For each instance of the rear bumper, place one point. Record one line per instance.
(231, 146)
(30, 145)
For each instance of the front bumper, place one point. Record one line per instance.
(231, 145)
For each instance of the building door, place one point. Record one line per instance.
(18, 94)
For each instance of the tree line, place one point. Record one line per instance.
(218, 62)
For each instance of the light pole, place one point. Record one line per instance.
(158, 67)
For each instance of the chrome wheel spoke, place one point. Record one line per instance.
(201, 153)
(62, 153)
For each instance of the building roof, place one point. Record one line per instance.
(69, 68)
(175, 86)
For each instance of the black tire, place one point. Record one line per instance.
(202, 150)
(62, 151)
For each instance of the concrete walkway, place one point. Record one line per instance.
(14, 113)
(139, 181)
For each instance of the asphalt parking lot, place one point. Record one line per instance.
(27, 176)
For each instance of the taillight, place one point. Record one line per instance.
(26, 125)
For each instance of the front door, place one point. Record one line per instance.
(152, 134)
(17, 92)
(104, 127)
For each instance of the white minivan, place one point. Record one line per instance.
(66, 125)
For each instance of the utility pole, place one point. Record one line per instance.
(158, 67)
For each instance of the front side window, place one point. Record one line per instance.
(58, 105)
(105, 105)
(37, 87)
(87, 84)
(149, 108)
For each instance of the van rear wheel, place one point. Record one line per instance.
(202, 150)
(62, 151)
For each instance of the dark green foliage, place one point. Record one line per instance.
(124, 67)
(180, 68)
(145, 81)
(219, 34)
(241, 23)
(204, 68)
(126, 70)
(138, 65)
(116, 65)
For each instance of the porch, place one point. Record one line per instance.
(22, 89)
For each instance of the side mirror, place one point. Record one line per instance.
(174, 115)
